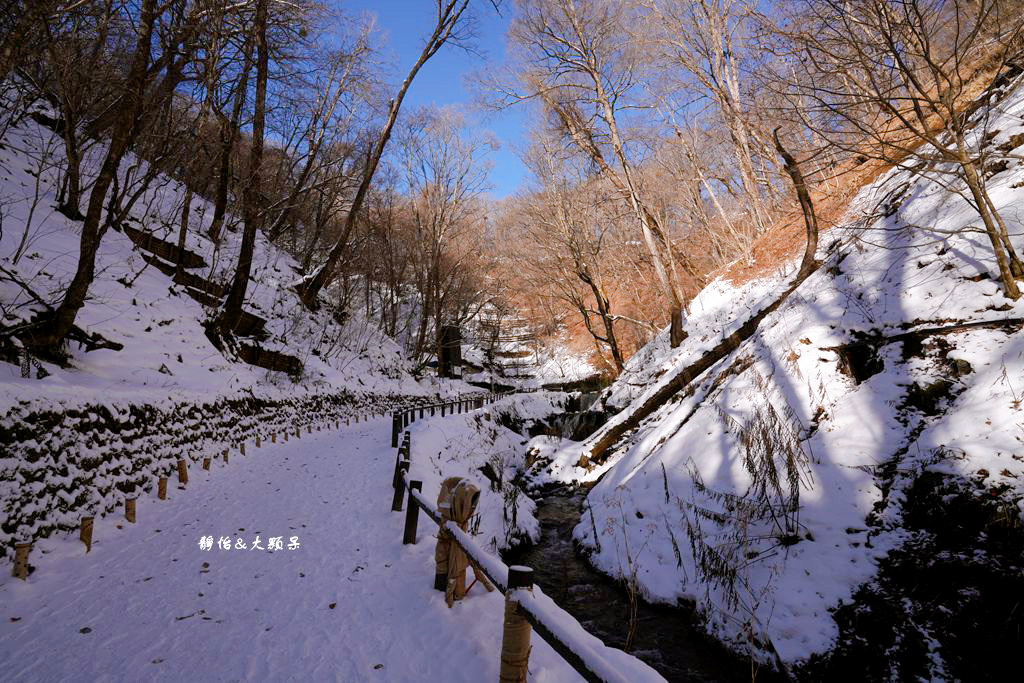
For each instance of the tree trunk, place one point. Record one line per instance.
(229, 134)
(183, 231)
(53, 331)
(983, 204)
(232, 312)
(807, 264)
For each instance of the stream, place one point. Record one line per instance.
(668, 638)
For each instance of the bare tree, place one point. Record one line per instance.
(899, 81)
(447, 22)
(445, 175)
(706, 39)
(52, 329)
(576, 61)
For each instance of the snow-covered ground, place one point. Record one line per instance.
(677, 499)
(348, 603)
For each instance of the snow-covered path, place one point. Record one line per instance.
(350, 603)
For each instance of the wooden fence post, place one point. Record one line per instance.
(206, 463)
(129, 509)
(241, 448)
(21, 551)
(396, 502)
(257, 442)
(412, 514)
(515, 639)
(85, 535)
(161, 488)
(225, 456)
(273, 437)
(182, 471)
(395, 429)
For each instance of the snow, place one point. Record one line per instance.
(167, 358)
(350, 603)
(919, 267)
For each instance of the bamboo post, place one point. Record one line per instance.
(412, 514)
(21, 551)
(396, 502)
(206, 463)
(161, 488)
(182, 471)
(129, 509)
(515, 639)
(85, 535)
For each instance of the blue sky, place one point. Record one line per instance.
(442, 80)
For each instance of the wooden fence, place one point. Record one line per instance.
(522, 606)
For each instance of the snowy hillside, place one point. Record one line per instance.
(166, 355)
(841, 454)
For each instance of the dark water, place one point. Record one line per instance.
(667, 638)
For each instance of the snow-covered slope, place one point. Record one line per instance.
(166, 356)
(863, 423)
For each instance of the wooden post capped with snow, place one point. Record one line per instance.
(412, 514)
(396, 502)
(515, 639)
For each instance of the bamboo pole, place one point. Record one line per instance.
(85, 535)
(21, 551)
(515, 639)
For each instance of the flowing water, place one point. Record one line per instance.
(668, 638)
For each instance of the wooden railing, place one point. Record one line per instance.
(556, 626)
